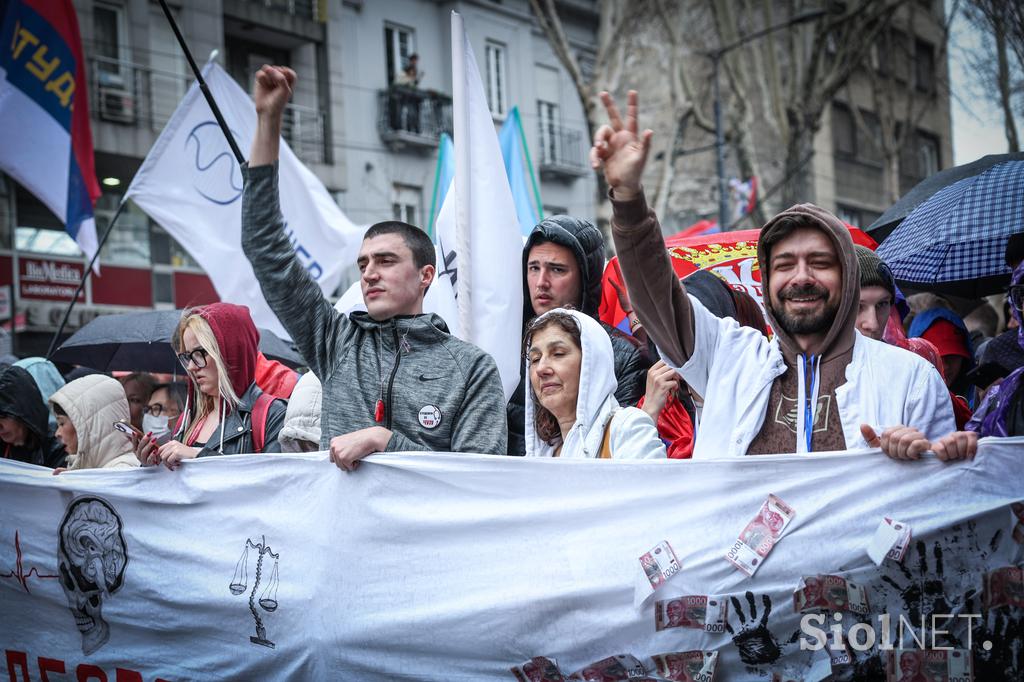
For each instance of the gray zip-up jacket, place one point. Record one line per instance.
(440, 393)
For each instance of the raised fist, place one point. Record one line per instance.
(272, 89)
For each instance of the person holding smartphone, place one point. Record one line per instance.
(226, 412)
(92, 420)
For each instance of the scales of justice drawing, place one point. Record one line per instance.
(268, 598)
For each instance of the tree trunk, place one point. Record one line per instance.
(746, 158)
(798, 186)
(892, 175)
(1005, 90)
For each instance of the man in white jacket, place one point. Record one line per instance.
(818, 385)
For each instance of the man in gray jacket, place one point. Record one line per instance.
(393, 378)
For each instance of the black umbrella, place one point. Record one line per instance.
(888, 221)
(141, 342)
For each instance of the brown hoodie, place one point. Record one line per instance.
(662, 305)
(780, 425)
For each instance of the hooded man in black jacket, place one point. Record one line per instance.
(24, 421)
(563, 260)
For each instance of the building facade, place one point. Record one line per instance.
(373, 144)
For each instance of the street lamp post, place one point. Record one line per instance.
(716, 58)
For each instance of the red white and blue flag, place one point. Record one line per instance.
(45, 141)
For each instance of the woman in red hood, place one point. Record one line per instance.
(226, 412)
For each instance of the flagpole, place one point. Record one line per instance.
(202, 85)
(85, 276)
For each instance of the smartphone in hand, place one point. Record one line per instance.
(127, 429)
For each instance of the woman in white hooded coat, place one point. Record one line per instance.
(86, 410)
(571, 409)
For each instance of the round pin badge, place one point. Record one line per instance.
(430, 416)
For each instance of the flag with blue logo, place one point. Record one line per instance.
(45, 140)
(191, 185)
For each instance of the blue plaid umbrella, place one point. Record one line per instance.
(955, 240)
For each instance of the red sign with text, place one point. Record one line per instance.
(46, 279)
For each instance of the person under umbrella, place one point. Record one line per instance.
(997, 359)
(47, 378)
(24, 431)
(86, 411)
(1001, 413)
(138, 386)
(227, 413)
(879, 318)
(947, 331)
(165, 405)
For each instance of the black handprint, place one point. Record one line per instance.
(1002, 631)
(867, 666)
(923, 595)
(756, 644)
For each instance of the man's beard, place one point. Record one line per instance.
(810, 322)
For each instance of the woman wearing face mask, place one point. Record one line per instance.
(86, 410)
(571, 409)
(226, 412)
(160, 415)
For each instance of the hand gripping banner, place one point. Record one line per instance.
(463, 567)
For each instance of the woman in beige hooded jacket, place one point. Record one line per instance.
(86, 410)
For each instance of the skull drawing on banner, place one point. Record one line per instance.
(92, 557)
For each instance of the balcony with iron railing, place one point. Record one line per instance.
(412, 117)
(561, 152)
(305, 9)
(308, 10)
(125, 93)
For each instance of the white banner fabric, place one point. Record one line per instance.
(191, 185)
(458, 567)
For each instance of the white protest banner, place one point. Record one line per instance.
(191, 184)
(477, 228)
(460, 567)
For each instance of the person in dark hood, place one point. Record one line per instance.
(818, 385)
(24, 421)
(879, 319)
(226, 413)
(563, 260)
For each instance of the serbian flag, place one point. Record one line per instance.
(45, 141)
(732, 256)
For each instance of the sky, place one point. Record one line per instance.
(977, 121)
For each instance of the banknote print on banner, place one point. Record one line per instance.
(466, 567)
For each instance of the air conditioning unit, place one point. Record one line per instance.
(116, 101)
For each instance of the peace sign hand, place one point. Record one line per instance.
(620, 149)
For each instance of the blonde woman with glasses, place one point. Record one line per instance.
(226, 413)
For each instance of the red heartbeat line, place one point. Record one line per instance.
(19, 574)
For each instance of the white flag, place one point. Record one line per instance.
(480, 241)
(191, 184)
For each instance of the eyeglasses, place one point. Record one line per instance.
(156, 409)
(196, 356)
(1017, 297)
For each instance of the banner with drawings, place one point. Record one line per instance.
(465, 567)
